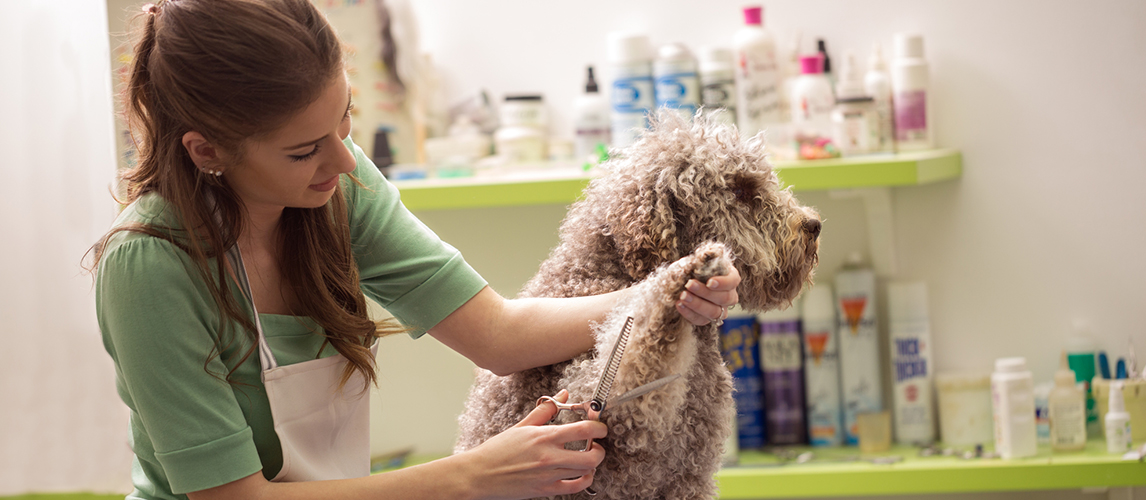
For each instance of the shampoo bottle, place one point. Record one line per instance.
(1067, 411)
(822, 367)
(718, 84)
(757, 75)
(1117, 421)
(782, 360)
(677, 84)
(877, 84)
(590, 121)
(859, 344)
(812, 104)
(1013, 398)
(910, 334)
(630, 57)
(911, 93)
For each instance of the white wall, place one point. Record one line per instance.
(1045, 99)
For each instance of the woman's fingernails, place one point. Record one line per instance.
(712, 283)
(684, 296)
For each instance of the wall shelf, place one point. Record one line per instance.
(564, 185)
(760, 476)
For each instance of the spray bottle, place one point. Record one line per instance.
(859, 343)
(910, 334)
(1118, 434)
(822, 367)
(877, 84)
(590, 121)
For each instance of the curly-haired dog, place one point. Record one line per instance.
(678, 188)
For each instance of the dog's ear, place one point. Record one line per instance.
(644, 225)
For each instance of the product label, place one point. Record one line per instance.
(911, 115)
(908, 361)
(822, 380)
(855, 131)
(679, 91)
(738, 342)
(757, 84)
(780, 359)
(1068, 424)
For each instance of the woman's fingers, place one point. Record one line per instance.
(703, 303)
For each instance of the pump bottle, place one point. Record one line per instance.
(1117, 421)
(590, 121)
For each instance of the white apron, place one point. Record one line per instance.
(325, 433)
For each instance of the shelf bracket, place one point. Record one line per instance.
(881, 241)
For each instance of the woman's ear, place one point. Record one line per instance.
(202, 152)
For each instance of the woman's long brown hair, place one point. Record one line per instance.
(234, 70)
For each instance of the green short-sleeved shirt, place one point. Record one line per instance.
(189, 429)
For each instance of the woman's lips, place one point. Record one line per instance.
(325, 186)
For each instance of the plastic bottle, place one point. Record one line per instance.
(877, 84)
(812, 103)
(1081, 356)
(859, 343)
(631, 93)
(590, 121)
(911, 93)
(822, 50)
(677, 85)
(782, 362)
(739, 339)
(1042, 413)
(855, 121)
(1012, 393)
(822, 367)
(910, 335)
(1067, 411)
(1118, 435)
(718, 84)
(757, 75)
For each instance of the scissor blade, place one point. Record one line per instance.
(645, 389)
(601, 394)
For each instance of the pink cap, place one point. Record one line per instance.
(810, 65)
(753, 15)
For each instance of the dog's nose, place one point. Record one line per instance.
(812, 227)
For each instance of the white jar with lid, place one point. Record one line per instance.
(965, 417)
(1012, 393)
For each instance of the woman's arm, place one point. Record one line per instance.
(527, 461)
(506, 336)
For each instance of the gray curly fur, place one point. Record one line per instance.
(679, 204)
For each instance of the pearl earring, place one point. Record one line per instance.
(216, 173)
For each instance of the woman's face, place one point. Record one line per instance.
(299, 165)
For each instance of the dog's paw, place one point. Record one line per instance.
(711, 259)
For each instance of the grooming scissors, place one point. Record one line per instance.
(591, 410)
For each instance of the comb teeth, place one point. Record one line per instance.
(613, 365)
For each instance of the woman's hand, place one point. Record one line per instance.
(703, 303)
(530, 460)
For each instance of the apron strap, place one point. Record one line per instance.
(265, 355)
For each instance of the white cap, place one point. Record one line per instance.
(854, 260)
(851, 78)
(907, 301)
(713, 58)
(1011, 365)
(876, 62)
(1116, 404)
(909, 45)
(629, 47)
(674, 52)
(818, 302)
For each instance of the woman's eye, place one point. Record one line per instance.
(306, 156)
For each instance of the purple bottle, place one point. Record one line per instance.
(782, 361)
(738, 344)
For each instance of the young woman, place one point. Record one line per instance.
(231, 291)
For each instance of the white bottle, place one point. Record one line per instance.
(855, 123)
(859, 344)
(812, 104)
(718, 84)
(757, 75)
(1012, 393)
(877, 84)
(910, 94)
(631, 86)
(822, 367)
(1118, 435)
(1067, 411)
(677, 85)
(911, 367)
(590, 122)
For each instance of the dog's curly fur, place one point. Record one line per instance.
(686, 201)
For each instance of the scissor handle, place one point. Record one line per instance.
(584, 409)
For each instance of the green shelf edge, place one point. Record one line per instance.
(1092, 468)
(904, 169)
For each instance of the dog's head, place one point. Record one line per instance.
(686, 183)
